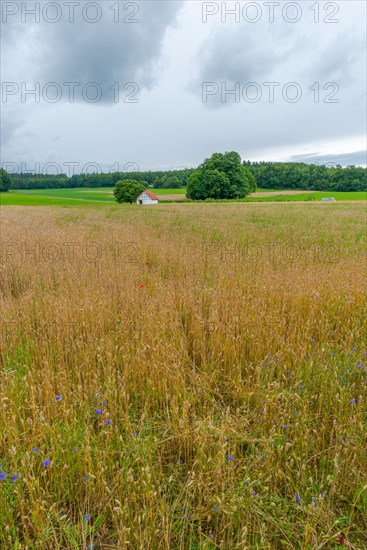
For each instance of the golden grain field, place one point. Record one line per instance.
(185, 376)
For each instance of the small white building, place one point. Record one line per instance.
(147, 197)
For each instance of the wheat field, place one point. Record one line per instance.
(185, 376)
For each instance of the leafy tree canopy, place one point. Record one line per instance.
(5, 180)
(128, 190)
(222, 176)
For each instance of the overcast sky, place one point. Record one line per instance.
(149, 82)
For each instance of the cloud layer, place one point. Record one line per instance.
(137, 78)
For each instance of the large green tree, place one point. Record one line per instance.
(128, 190)
(5, 180)
(222, 176)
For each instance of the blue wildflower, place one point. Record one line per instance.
(104, 402)
(229, 457)
(58, 398)
(2, 476)
(35, 450)
(108, 422)
(254, 493)
(285, 427)
(75, 448)
(247, 483)
(14, 477)
(313, 499)
(298, 498)
(85, 478)
(87, 517)
(215, 508)
(352, 401)
(46, 462)
(99, 411)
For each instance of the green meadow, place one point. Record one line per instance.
(81, 196)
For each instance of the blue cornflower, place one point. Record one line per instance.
(46, 462)
(2, 476)
(87, 517)
(108, 422)
(228, 439)
(247, 483)
(229, 457)
(14, 477)
(99, 411)
(58, 398)
(352, 401)
(215, 508)
(285, 427)
(262, 456)
(323, 493)
(85, 478)
(180, 461)
(254, 493)
(35, 450)
(298, 498)
(135, 433)
(261, 412)
(104, 402)
(313, 499)
(301, 387)
(75, 448)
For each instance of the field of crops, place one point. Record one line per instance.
(183, 377)
(79, 196)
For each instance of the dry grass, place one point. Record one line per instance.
(228, 343)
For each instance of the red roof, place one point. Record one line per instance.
(151, 195)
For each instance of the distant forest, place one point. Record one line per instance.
(294, 175)
(268, 175)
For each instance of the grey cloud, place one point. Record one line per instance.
(104, 52)
(356, 158)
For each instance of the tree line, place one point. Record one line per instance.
(298, 175)
(268, 175)
(159, 179)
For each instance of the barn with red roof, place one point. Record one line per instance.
(147, 197)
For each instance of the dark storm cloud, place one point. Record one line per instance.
(118, 48)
